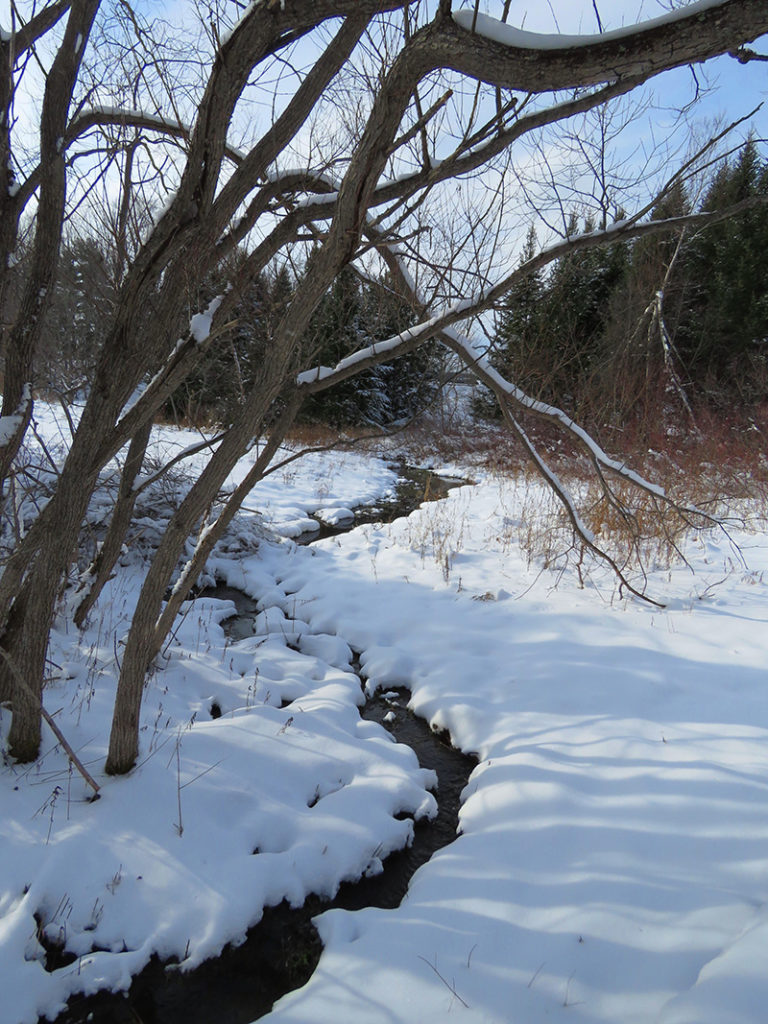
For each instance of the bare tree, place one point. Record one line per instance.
(441, 98)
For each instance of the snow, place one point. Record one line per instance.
(317, 373)
(613, 857)
(118, 113)
(335, 516)
(507, 35)
(200, 323)
(245, 11)
(8, 427)
(480, 359)
(10, 424)
(382, 348)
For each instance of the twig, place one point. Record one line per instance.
(200, 775)
(180, 826)
(537, 972)
(451, 988)
(54, 728)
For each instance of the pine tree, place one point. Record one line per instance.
(76, 318)
(213, 391)
(643, 318)
(728, 319)
(519, 334)
(333, 334)
(404, 387)
(353, 316)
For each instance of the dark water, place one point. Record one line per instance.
(413, 488)
(281, 952)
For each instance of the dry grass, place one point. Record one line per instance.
(720, 469)
(722, 472)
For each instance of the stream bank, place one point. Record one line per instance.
(281, 952)
(414, 487)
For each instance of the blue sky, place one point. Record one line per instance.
(734, 89)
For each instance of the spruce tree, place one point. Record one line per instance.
(728, 320)
(641, 326)
(520, 340)
(353, 316)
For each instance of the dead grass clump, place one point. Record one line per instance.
(312, 435)
(715, 475)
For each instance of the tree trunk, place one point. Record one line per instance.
(34, 573)
(215, 531)
(25, 639)
(148, 628)
(28, 326)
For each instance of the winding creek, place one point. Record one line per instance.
(281, 952)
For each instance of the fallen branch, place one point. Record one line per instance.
(54, 728)
(451, 988)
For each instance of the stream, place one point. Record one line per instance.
(414, 486)
(281, 952)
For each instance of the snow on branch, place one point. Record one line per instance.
(132, 118)
(490, 51)
(321, 377)
(479, 364)
(507, 35)
(200, 324)
(439, 325)
(167, 378)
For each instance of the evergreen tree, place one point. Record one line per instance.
(728, 319)
(407, 385)
(578, 297)
(353, 316)
(335, 333)
(213, 391)
(520, 341)
(548, 338)
(633, 365)
(76, 318)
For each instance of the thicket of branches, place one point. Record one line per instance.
(377, 134)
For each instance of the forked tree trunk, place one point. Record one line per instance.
(34, 574)
(148, 627)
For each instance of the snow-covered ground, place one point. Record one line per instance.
(613, 857)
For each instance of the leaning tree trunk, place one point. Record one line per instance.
(25, 640)
(25, 335)
(147, 634)
(215, 530)
(34, 573)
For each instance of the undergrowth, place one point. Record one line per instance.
(719, 469)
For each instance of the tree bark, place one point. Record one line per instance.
(24, 336)
(145, 636)
(25, 639)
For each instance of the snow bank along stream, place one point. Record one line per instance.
(281, 952)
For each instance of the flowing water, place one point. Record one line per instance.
(281, 952)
